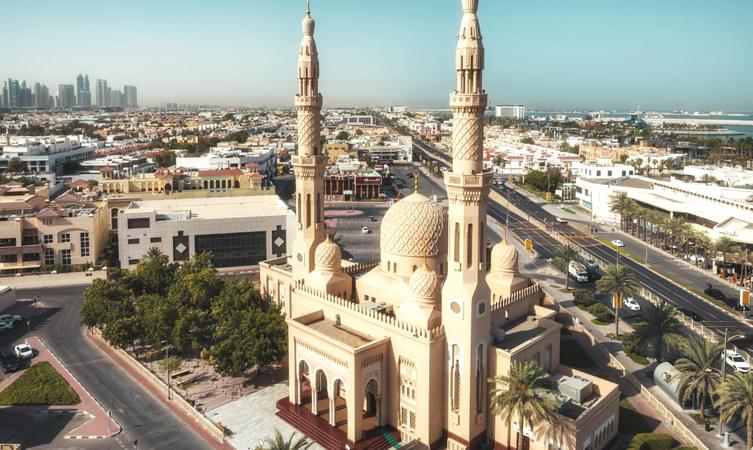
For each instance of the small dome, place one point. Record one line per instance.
(504, 258)
(308, 24)
(328, 256)
(415, 227)
(423, 283)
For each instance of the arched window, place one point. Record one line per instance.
(456, 242)
(308, 210)
(469, 245)
(479, 378)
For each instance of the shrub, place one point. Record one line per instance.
(584, 297)
(39, 385)
(651, 441)
(601, 312)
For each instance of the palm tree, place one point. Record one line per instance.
(524, 394)
(620, 204)
(659, 328)
(620, 282)
(699, 370)
(154, 252)
(736, 397)
(279, 443)
(564, 254)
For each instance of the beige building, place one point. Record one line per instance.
(36, 233)
(166, 181)
(408, 342)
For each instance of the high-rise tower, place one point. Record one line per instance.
(308, 163)
(465, 294)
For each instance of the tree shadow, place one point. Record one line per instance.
(33, 426)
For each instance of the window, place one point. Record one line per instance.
(65, 237)
(49, 256)
(8, 242)
(598, 173)
(65, 257)
(234, 249)
(133, 261)
(31, 239)
(133, 241)
(31, 257)
(138, 223)
(155, 239)
(48, 239)
(85, 250)
(609, 173)
(8, 258)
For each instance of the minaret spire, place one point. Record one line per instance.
(465, 288)
(308, 163)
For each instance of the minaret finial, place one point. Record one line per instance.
(308, 7)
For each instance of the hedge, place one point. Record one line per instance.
(651, 441)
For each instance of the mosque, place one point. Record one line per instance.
(402, 349)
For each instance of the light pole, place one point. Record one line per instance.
(722, 434)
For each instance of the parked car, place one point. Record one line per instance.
(11, 318)
(24, 351)
(365, 230)
(372, 219)
(618, 243)
(12, 363)
(631, 304)
(713, 292)
(736, 361)
(692, 314)
(590, 263)
(560, 220)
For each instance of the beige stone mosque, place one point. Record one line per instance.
(401, 350)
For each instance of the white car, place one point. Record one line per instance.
(736, 361)
(618, 243)
(11, 318)
(631, 304)
(560, 220)
(590, 263)
(365, 230)
(24, 351)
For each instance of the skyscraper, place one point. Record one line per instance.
(103, 96)
(66, 96)
(41, 96)
(79, 89)
(116, 99)
(131, 97)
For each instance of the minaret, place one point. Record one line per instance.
(465, 294)
(309, 163)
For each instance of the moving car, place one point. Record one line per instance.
(7, 326)
(692, 314)
(577, 271)
(714, 292)
(23, 351)
(618, 243)
(631, 304)
(365, 230)
(736, 361)
(11, 318)
(590, 263)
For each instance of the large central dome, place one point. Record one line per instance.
(415, 227)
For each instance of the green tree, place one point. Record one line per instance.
(279, 443)
(165, 158)
(15, 165)
(154, 274)
(618, 281)
(726, 246)
(524, 394)
(699, 370)
(659, 328)
(248, 333)
(342, 136)
(562, 257)
(158, 315)
(196, 284)
(623, 205)
(735, 398)
(528, 140)
(109, 306)
(171, 364)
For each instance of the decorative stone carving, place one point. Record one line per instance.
(414, 226)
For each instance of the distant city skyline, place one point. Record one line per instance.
(690, 55)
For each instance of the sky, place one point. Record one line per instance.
(556, 54)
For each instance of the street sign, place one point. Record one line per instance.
(549, 197)
(617, 300)
(744, 297)
(529, 245)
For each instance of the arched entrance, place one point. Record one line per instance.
(371, 406)
(319, 398)
(304, 383)
(339, 406)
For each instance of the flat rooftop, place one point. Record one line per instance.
(340, 333)
(521, 331)
(212, 207)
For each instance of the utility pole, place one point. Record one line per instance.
(167, 368)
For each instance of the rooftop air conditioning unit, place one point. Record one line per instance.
(577, 388)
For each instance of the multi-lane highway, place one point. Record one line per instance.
(545, 244)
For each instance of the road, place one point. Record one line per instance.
(545, 245)
(142, 417)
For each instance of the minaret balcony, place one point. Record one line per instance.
(301, 100)
(309, 160)
(470, 181)
(460, 100)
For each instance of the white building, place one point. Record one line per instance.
(511, 111)
(729, 176)
(46, 154)
(604, 169)
(238, 231)
(230, 157)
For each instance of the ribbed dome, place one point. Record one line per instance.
(414, 226)
(328, 256)
(504, 258)
(423, 283)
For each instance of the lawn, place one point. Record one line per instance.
(572, 354)
(631, 421)
(39, 385)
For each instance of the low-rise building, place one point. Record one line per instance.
(237, 231)
(46, 154)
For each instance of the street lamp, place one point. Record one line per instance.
(722, 434)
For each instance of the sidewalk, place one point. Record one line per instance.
(99, 426)
(158, 394)
(52, 280)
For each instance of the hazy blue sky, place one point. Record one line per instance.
(660, 54)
